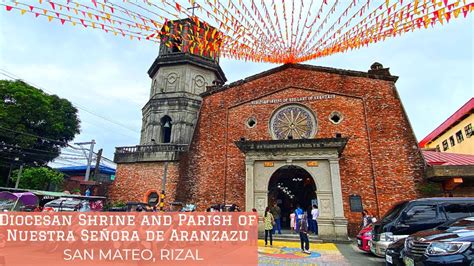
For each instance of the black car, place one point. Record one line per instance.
(409, 217)
(393, 255)
(445, 245)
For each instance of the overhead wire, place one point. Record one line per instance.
(16, 77)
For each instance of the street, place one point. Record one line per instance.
(289, 253)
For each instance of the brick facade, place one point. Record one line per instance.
(381, 161)
(133, 181)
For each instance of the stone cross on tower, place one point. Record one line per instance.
(194, 6)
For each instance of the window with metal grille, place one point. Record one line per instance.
(445, 145)
(468, 130)
(459, 136)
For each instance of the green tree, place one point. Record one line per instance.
(33, 125)
(39, 178)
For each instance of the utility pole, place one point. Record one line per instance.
(19, 176)
(163, 187)
(9, 174)
(89, 160)
(97, 164)
(17, 159)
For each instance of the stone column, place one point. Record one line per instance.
(174, 132)
(249, 186)
(156, 132)
(340, 222)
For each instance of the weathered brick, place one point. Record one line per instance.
(381, 161)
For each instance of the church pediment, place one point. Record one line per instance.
(343, 72)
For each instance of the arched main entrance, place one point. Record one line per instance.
(268, 163)
(289, 186)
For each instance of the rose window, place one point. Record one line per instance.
(293, 122)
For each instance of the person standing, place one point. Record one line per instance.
(276, 212)
(298, 214)
(314, 217)
(367, 218)
(268, 222)
(303, 230)
(292, 221)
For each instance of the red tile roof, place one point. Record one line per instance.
(446, 158)
(451, 121)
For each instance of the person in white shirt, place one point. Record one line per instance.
(314, 221)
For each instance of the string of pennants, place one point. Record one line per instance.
(275, 31)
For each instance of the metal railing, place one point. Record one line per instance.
(152, 148)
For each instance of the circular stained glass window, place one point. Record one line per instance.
(293, 122)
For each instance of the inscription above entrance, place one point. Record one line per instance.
(296, 99)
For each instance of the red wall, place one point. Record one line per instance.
(382, 151)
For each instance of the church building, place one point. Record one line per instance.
(295, 134)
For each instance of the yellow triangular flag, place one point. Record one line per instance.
(23, 11)
(456, 12)
(50, 18)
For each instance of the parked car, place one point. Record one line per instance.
(445, 245)
(67, 205)
(393, 254)
(408, 217)
(363, 238)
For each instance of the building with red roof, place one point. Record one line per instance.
(449, 153)
(454, 134)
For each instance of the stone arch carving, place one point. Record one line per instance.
(199, 84)
(291, 185)
(171, 82)
(300, 166)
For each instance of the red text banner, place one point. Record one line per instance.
(128, 238)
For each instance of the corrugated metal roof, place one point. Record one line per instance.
(82, 168)
(446, 158)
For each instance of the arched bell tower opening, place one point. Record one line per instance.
(289, 186)
(166, 129)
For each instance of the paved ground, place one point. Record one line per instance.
(289, 253)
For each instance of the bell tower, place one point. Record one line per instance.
(187, 63)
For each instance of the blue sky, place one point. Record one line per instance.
(106, 74)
